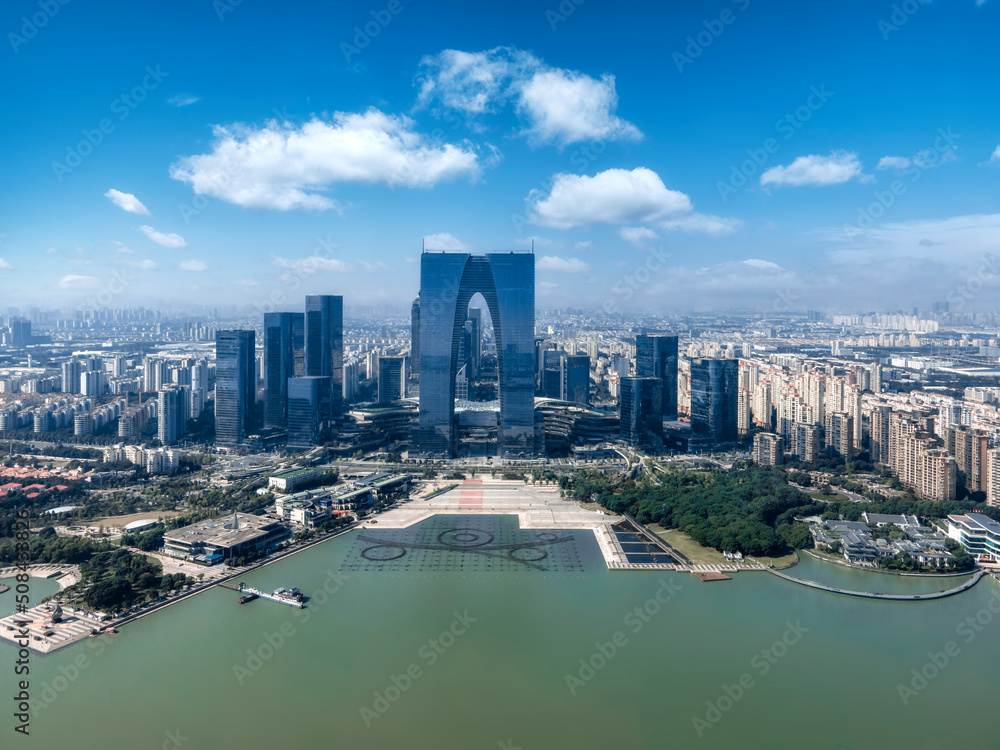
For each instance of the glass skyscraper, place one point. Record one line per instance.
(235, 386)
(415, 338)
(448, 282)
(284, 358)
(391, 379)
(640, 410)
(656, 357)
(305, 404)
(575, 381)
(325, 343)
(714, 398)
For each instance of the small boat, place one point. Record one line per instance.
(247, 598)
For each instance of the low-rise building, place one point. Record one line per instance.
(225, 537)
(978, 534)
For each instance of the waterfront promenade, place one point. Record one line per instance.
(891, 597)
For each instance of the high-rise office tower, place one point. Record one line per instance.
(714, 398)
(172, 412)
(235, 386)
(640, 409)
(448, 282)
(656, 357)
(324, 333)
(415, 339)
(552, 372)
(305, 404)
(20, 331)
(284, 358)
(71, 376)
(575, 380)
(391, 379)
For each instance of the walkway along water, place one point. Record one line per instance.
(895, 597)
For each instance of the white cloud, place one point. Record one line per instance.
(51, 251)
(447, 242)
(143, 265)
(615, 196)
(312, 264)
(706, 223)
(761, 264)
(193, 265)
(163, 238)
(127, 202)
(567, 107)
(245, 282)
(376, 267)
(637, 236)
(74, 281)
(970, 237)
(995, 157)
(557, 105)
(183, 100)
(893, 162)
(285, 167)
(561, 265)
(4, 265)
(120, 246)
(837, 168)
(583, 245)
(536, 241)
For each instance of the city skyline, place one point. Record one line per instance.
(612, 159)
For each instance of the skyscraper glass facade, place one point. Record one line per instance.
(235, 386)
(448, 282)
(656, 357)
(284, 358)
(714, 398)
(325, 343)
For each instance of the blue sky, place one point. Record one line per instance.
(255, 152)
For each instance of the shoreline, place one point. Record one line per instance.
(891, 572)
(194, 591)
(886, 597)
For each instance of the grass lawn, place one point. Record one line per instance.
(687, 546)
(785, 561)
(592, 506)
(122, 521)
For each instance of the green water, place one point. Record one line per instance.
(504, 678)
